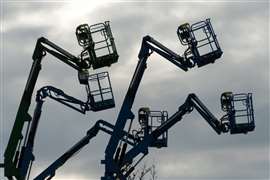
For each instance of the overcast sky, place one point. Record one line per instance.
(195, 151)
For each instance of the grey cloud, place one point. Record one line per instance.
(12, 10)
(163, 87)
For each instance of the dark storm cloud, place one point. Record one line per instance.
(242, 29)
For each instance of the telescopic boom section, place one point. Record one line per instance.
(12, 151)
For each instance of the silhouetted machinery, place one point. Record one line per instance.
(98, 43)
(149, 121)
(239, 109)
(203, 47)
(98, 51)
(128, 146)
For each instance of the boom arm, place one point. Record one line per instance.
(27, 157)
(43, 45)
(152, 45)
(49, 172)
(205, 113)
(59, 96)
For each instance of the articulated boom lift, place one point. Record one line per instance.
(156, 136)
(98, 51)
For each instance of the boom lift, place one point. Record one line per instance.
(158, 136)
(27, 156)
(94, 39)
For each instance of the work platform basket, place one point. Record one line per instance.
(203, 46)
(240, 114)
(150, 121)
(100, 91)
(98, 43)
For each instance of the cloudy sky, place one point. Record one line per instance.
(195, 151)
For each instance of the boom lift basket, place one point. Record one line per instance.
(203, 47)
(100, 92)
(240, 111)
(149, 121)
(98, 43)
